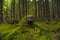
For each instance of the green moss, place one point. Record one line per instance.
(23, 32)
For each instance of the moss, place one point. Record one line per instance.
(21, 31)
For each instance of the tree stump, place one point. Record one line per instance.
(30, 20)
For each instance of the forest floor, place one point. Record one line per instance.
(39, 31)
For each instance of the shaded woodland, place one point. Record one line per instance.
(29, 19)
(42, 10)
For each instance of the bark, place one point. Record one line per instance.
(47, 10)
(1, 14)
(13, 9)
(35, 10)
(19, 9)
(24, 8)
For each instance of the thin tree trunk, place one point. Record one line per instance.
(1, 14)
(58, 8)
(13, 9)
(47, 10)
(19, 9)
(39, 4)
(35, 10)
(44, 11)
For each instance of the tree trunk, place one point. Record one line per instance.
(13, 9)
(1, 14)
(24, 7)
(47, 10)
(58, 9)
(19, 9)
(35, 10)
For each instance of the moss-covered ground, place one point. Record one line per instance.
(21, 31)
